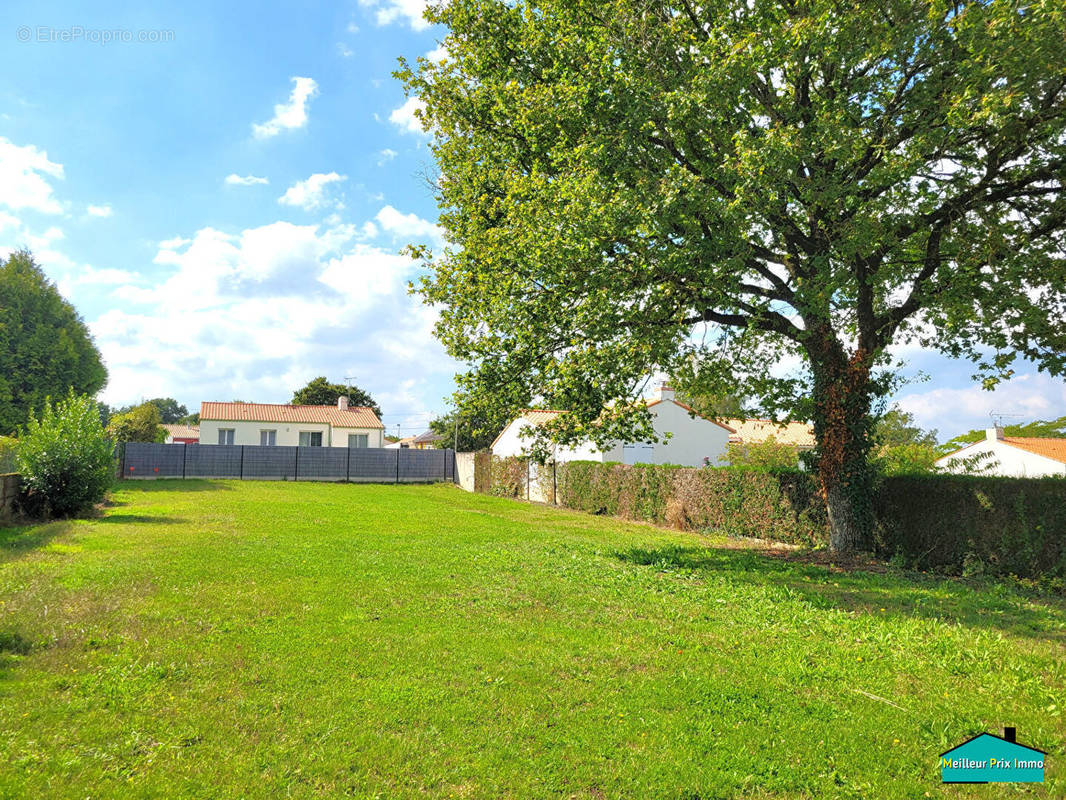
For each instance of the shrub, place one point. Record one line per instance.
(969, 525)
(766, 454)
(140, 424)
(509, 477)
(65, 458)
(905, 459)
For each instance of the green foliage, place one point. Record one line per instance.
(508, 477)
(810, 179)
(766, 454)
(896, 427)
(170, 411)
(475, 431)
(140, 424)
(191, 419)
(905, 459)
(1038, 429)
(780, 505)
(319, 392)
(65, 459)
(955, 523)
(45, 347)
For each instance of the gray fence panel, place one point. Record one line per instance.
(322, 464)
(270, 463)
(419, 466)
(359, 465)
(150, 460)
(372, 464)
(213, 460)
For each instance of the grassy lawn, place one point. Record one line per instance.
(274, 639)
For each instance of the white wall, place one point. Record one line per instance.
(1005, 461)
(288, 433)
(692, 440)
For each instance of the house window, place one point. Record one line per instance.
(310, 438)
(357, 439)
(268, 438)
(225, 435)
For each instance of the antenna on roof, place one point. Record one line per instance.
(999, 416)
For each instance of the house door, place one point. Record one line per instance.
(638, 453)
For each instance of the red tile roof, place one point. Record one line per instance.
(1055, 449)
(353, 417)
(183, 431)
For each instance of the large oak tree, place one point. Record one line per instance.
(718, 188)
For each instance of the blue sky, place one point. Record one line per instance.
(225, 201)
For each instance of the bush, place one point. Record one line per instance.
(509, 477)
(771, 504)
(970, 525)
(65, 459)
(140, 424)
(766, 454)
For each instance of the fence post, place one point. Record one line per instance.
(555, 486)
(242, 462)
(184, 458)
(527, 479)
(296, 468)
(348, 466)
(123, 445)
(398, 450)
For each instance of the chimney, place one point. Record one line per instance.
(1010, 734)
(991, 434)
(665, 391)
(342, 403)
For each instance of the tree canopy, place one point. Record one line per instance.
(770, 193)
(897, 427)
(45, 347)
(320, 392)
(139, 424)
(475, 431)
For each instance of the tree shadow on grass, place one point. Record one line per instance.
(985, 604)
(16, 540)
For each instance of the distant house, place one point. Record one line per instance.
(424, 441)
(182, 434)
(308, 426)
(755, 431)
(694, 437)
(1008, 456)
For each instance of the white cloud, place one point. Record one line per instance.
(99, 211)
(386, 155)
(344, 51)
(438, 54)
(408, 226)
(24, 178)
(233, 179)
(404, 117)
(955, 411)
(312, 193)
(352, 27)
(389, 11)
(290, 115)
(263, 310)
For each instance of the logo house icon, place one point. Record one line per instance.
(992, 759)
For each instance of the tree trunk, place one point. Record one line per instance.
(842, 428)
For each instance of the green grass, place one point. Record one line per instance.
(316, 640)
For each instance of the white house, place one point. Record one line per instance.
(694, 437)
(309, 426)
(1008, 456)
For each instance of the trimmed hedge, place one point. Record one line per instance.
(771, 504)
(949, 523)
(973, 524)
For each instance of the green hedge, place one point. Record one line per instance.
(969, 524)
(772, 504)
(948, 523)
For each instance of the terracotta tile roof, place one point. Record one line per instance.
(182, 431)
(753, 431)
(353, 417)
(1055, 449)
